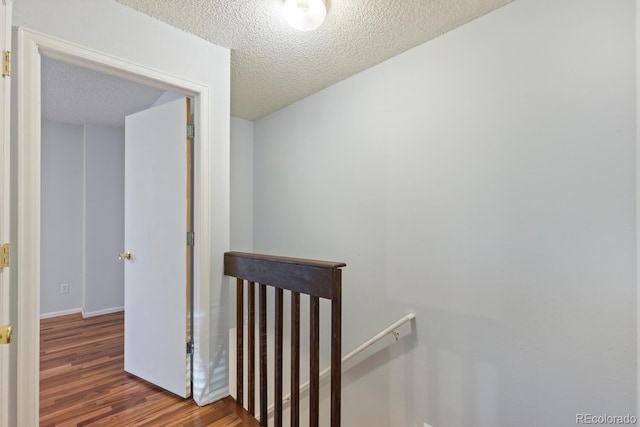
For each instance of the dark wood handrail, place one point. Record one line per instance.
(287, 260)
(306, 276)
(318, 279)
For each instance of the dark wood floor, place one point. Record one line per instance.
(82, 382)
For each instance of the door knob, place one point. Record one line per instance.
(5, 334)
(124, 255)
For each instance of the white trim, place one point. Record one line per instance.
(31, 45)
(28, 230)
(61, 313)
(87, 314)
(5, 226)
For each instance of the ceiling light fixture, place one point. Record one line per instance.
(304, 15)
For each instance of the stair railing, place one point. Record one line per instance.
(318, 279)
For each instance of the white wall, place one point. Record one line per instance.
(104, 219)
(61, 218)
(114, 29)
(241, 185)
(485, 181)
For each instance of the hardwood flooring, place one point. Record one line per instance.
(83, 382)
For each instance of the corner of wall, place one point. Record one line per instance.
(84, 219)
(241, 221)
(637, 120)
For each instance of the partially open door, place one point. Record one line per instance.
(8, 366)
(157, 238)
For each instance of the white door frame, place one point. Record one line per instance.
(31, 45)
(5, 194)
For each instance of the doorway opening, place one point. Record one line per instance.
(33, 46)
(83, 216)
(82, 186)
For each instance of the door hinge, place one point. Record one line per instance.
(189, 347)
(6, 63)
(5, 251)
(191, 131)
(191, 238)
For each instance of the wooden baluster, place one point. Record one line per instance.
(336, 350)
(277, 394)
(295, 359)
(251, 307)
(264, 415)
(314, 371)
(239, 340)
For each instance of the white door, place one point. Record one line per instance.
(156, 288)
(7, 363)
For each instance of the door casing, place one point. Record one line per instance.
(31, 45)
(6, 359)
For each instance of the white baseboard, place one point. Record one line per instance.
(60, 313)
(84, 313)
(101, 312)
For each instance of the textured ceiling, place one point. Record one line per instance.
(273, 65)
(75, 95)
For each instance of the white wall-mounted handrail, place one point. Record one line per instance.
(390, 330)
